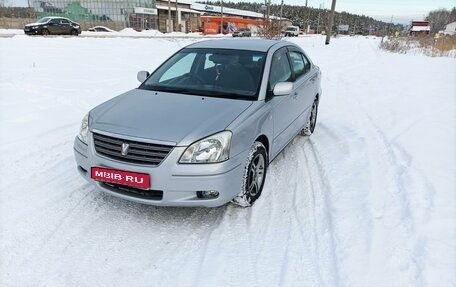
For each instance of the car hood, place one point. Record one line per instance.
(168, 117)
(34, 24)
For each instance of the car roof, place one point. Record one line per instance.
(57, 17)
(238, 44)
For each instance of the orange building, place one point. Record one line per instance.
(211, 24)
(211, 18)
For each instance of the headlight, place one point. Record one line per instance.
(215, 148)
(35, 27)
(84, 132)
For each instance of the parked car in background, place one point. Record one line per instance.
(203, 127)
(292, 31)
(100, 29)
(242, 32)
(53, 26)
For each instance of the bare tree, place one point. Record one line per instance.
(4, 3)
(439, 18)
(271, 30)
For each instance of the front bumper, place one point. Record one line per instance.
(179, 183)
(31, 31)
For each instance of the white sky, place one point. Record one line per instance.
(402, 11)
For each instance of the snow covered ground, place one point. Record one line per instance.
(368, 200)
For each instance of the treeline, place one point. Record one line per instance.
(17, 12)
(439, 18)
(317, 18)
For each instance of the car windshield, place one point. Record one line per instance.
(291, 29)
(224, 73)
(44, 20)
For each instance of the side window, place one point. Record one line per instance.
(280, 69)
(182, 67)
(55, 21)
(298, 63)
(63, 21)
(306, 64)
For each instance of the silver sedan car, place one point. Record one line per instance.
(203, 127)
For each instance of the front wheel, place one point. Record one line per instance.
(45, 32)
(312, 121)
(254, 175)
(74, 32)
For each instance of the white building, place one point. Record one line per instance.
(450, 29)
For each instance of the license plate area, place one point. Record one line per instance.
(127, 178)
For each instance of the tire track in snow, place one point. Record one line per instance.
(400, 170)
(389, 159)
(320, 184)
(285, 172)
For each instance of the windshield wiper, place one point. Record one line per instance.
(230, 95)
(167, 89)
(197, 92)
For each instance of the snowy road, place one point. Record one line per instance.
(368, 200)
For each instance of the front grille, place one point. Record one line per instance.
(138, 152)
(135, 192)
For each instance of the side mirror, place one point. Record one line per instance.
(142, 76)
(283, 89)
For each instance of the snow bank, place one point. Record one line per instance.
(11, 32)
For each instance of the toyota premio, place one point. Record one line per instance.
(202, 128)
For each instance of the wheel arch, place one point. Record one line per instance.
(265, 141)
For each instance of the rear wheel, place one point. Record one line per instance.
(311, 121)
(254, 176)
(74, 32)
(45, 32)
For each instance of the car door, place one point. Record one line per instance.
(304, 84)
(284, 107)
(65, 26)
(54, 26)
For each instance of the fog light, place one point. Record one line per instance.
(207, 194)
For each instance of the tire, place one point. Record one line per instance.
(311, 121)
(74, 32)
(45, 32)
(254, 176)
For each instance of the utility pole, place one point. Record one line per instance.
(221, 19)
(170, 29)
(330, 22)
(306, 20)
(391, 25)
(176, 23)
(281, 10)
(268, 7)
